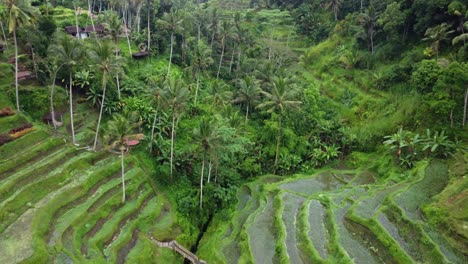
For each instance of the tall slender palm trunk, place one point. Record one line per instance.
(104, 82)
(72, 125)
(172, 146)
(196, 89)
(278, 143)
(4, 35)
(52, 91)
(128, 39)
(464, 107)
(220, 61)
(16, 72)
(170, 56)
(152, 129)
(123, 173)
(201, 180)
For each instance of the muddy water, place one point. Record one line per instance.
(262, 238)
(292, 204)
(317, 232)
(322, 182)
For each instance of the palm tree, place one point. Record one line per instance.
(200, 60)
(218, 92)
(172, 23)
(248, 94)
(213, 24)
(225, 32)
(119, 129)
(278, 100)
(68, 52)
(335, 6)
(436, 35)
(368, 21)
(103, 57)
(156, 97)
(20, 13)
(174, 95)
(114, 27)
(209, 139)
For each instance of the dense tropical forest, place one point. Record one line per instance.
(233, 131)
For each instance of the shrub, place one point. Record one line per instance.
(6, 112)
(20, 128)
(5, 138)
(21, 133)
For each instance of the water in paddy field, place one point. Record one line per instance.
(318, 232)
(292, 204)
(322, 182)
(261, 234)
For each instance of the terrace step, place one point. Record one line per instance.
(292, 203)
(34, 154)
(262, 238)
(317, 229)
(71, 212)
(29, 194)
(110, 227)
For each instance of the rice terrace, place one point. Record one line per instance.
(234, 131)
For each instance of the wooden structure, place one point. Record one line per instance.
(140, 55)
(25, 75)
(179, 249)
(84, 32)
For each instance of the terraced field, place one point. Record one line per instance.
(334, 216)
(62, 204)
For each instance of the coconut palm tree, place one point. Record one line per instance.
(248, 94)
(218, 93)
(209, 139)
(335, 6)
(174, 96)
(172, 23)
(114, 27)
(119, 129)
(156, 98)
(213, 24)
(200, 60)
(20, 13)
(225, 33)
(102, 54)
(436, 35)
(68, 52)
(280, 98)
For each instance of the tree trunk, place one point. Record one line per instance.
(464, 107)
(199, 32)
(52, 91)
(196, 89)
(278, 142)
(152, 129)
(210, 166)
(212, 39)
(172, 145)
(201, 180)
(92, 21)
(72, 125)
(238, 59)
(149, 24)
(104, 82)
(4, 35)
(247, 113)
(128, 39)
(16, 71)
(220, 61)
(451, 118)
(123, 173)
(76, 22)
(170, 56)
(232, 60)
(138, 19)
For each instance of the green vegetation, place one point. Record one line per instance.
(123, 121)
